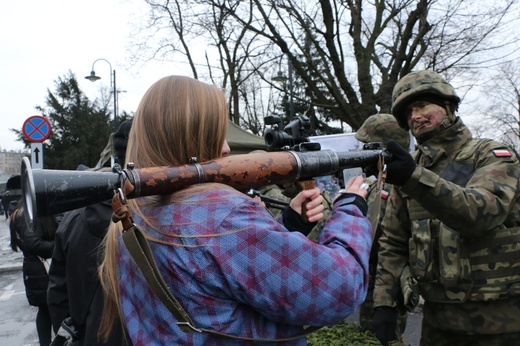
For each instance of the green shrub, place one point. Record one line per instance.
(345, 334)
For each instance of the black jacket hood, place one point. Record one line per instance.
(95, 218)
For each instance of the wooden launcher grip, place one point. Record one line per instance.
(305, 185)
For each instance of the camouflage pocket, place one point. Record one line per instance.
(454, 267)
(495, 262)
(420, 250)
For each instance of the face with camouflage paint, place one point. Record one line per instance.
(424, 117)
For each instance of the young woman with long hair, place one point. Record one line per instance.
(233, 268)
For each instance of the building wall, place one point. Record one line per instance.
(10, 162)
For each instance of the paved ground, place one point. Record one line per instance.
(9, 260)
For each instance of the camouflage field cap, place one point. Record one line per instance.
(419, 83)
(382, 127)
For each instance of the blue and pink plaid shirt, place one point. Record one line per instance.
(236, 270)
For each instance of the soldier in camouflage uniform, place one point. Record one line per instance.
(379, 128)
(454, 217)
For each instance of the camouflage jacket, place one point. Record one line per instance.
(455, 222)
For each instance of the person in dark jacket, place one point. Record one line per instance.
(74, 290)
(5, 203)
(36, 245)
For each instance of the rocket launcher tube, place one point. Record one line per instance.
(49, 192)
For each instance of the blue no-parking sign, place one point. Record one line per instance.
(36, 129)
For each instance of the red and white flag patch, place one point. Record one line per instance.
(384, 194)
(502, 153)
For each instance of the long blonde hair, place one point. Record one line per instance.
(178, 118)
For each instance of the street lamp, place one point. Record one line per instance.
(92, 77)
(281, 78)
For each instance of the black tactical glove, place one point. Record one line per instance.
(401, 166)
(385, 324)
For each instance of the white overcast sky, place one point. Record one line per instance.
(41, 40)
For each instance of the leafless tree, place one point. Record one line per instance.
(349, 54)
(202, 34)
(502, 113)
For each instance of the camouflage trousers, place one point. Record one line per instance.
(366, 315)
(495, 323)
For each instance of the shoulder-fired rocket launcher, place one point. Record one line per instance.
(48, 192)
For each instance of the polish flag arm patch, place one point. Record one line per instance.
(502, 153)
(384, 194)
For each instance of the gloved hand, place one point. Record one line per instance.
(401, 166)
(385, 324)
(409, 289)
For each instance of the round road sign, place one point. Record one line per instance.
(36, 129)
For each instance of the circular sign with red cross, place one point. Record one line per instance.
(36, 129)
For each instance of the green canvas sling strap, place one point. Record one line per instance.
(374, 207)
(140, 251)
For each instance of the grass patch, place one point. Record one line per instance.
(345, 334)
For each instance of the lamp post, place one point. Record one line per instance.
(281, 78)
(92, 77)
